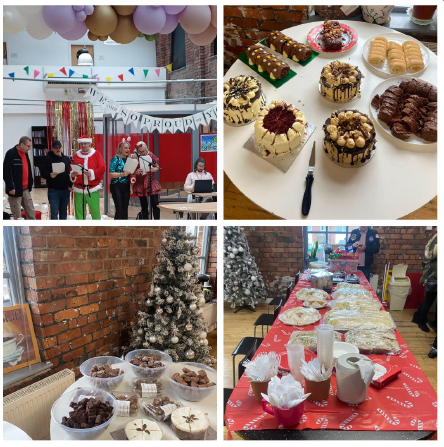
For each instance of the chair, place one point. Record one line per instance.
(267, 319)
(241, 367)
(296, 278)
(244, 347)
(276, 301)
(227, 394)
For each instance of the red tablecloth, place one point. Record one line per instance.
(409, 402)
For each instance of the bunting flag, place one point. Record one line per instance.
(157, 70)
(36, 73)
(63, 71)
(27, 70)
(11, 75)
(71, 72)
(145, 72)
(151, 123)
(85, 76)
(170, 67)
(50, 75)
(131, 70)
(108, 79)
(120, 77)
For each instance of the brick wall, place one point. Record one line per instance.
(201, 63)
(212, 261)
(84, 285)
(245, 25)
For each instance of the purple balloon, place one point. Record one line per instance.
(149, 20)
(170, 24)
(76, 33)
(78, 7)
(81, 16)
(89, 9)
(174, 9)
(60, 19)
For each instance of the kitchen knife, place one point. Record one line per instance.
(306, 202)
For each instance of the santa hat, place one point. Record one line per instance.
(84, 139)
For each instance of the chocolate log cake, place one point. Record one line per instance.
(289, 47)
(409, 108)
(267, 62)
(332, 35)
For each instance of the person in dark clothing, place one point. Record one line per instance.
(17, 175)
(364, 241)
(429, 279)
(59, 183)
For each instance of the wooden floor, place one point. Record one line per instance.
(238, 206)
(239, 325)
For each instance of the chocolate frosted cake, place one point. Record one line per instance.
(410, 108)
(340, 82)
(289, 47)
(332, 35)
(267, 62)
(243, 100)
(279, 129)
(349, 137)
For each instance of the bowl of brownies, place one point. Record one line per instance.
(84, 413)
(148, 362)
(191, 381)
(104, 372)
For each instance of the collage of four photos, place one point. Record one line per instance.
(242, 327)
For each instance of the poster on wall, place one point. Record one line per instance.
(19, 342)
(208, 142)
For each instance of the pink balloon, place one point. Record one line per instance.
(174, 9)
(170, 24)
(204, 38)
(149, 20)
(60, 19)
(195, 19)
(81, 16)
(213, 15)
(76, 33)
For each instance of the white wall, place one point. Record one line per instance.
(57, 51)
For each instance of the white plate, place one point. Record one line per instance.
(384, 70)
(379, 90)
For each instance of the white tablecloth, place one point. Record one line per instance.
(207, 405)
(398, 180)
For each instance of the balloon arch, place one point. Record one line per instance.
(123, 24)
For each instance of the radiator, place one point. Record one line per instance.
(30, 408)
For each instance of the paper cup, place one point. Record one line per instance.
(319, 390)
(258, 388)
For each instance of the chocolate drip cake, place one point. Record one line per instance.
(349, 137)
(332, 35)
(243, 100)
(340, 82)
(289, 47)
(279, 129)
(410, 108)
(267, 62)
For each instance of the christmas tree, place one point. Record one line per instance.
(243, 283)
(171, 320)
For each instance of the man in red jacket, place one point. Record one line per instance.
(87, 190)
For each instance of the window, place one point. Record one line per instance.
(215, 46)
(13, 291)
(178, 56)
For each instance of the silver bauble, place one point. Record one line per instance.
(229, 248)
(204, 342)
(200, 295)
(247, 291)
(190, 354)
(187, 267)
(140, 331)
(235, 251)
(201, 302)
(253, 278)
(193, 306)
(169, 299)
(152, 339)
(229, 232)
(228, 266)
(189, 327)
(202, 334)
(157, 290)
(164, 240)
(249, 262)
(149, 302)
(174, 339)
(232, 256)
(241, 250)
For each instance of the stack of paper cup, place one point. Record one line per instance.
(295, 352)
(325, 339)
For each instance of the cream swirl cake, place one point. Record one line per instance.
(349, 137)
(279, 129)
(340, 82)
(243, 100)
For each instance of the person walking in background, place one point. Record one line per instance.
(59, 183)
(146, 186)
(17, 175)
(120, 180)
(364, 241)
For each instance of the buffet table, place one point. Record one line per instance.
(406, 408)
(399, 179)
(207, 405)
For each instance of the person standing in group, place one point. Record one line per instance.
(364, 241)
(87, 191)
(146, 186)
(59, 183)
(17, 175)
(120, 180)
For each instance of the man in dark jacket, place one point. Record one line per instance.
(365, 241)
(17, 175)
(56, 171)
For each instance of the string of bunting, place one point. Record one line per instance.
(151, 123)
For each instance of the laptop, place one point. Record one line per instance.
(202, 186)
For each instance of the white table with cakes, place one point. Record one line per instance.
(401, 175)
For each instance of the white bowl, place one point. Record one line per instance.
(341, 347)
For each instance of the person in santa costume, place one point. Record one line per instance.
(88, 190)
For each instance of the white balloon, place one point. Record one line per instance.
(32, 10)
(13, 20)
(37, 28)
(71, 218)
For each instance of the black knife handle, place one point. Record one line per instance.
(306, 202)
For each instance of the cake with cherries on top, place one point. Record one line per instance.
(349, 137)
(279, 129)
(340, 82)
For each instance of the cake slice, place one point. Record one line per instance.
(332, 35)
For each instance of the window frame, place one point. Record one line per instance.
(175, 36)
(13, 270)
